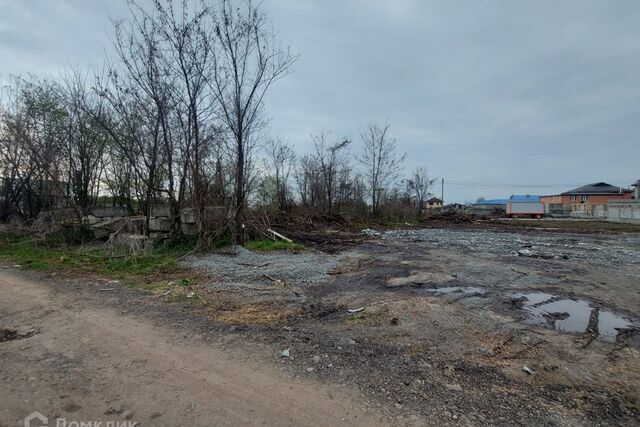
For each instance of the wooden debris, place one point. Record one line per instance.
(280, 236)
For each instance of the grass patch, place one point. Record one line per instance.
(53, 254)
(270, 245)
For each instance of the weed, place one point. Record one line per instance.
(52, 253)
(270, 245)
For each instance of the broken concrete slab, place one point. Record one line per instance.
(90, 220)
(187, 216)
(106, 227)
(160, 224)
(109, 211)
(161, 210)
(189, 229)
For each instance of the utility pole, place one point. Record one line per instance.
(442, 193)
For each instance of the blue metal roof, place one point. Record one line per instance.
(527, 198)
(494, 202)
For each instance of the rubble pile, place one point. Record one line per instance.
(450, 216)
(107, 222)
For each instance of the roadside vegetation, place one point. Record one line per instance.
(177, 119)
(54, 253)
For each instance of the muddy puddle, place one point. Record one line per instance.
(571, 316)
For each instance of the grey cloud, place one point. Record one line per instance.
(540, 92)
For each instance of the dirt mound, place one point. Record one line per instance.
(450, 216)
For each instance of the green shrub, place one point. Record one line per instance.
(270, 245)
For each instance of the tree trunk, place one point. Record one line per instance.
(238, 237)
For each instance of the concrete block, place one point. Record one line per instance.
(100, 233)
(134, 225)
(159, 224)
(90, 220)
(57, 216)
(161, 210)
(107, 226)
(189, 229)
(187, 216)
(109, 211)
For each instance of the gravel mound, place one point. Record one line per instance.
(239, 267)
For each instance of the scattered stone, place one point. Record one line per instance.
(528, 370)
(284, 353)
(371, 233)
(71, 407)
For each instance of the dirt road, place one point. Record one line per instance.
(432, 327)
(68, 357)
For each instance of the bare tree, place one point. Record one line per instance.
(34, 124)
(141, 91)
(85, 140)
(380, 161)
(329, 163)
(281, 158)
(419, 185)
(247, 61)
(306, 180)
(191, 44)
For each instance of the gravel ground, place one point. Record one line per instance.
(239, 267)
(442, 336)
(603, 250)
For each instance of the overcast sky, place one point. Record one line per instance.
(496, 93)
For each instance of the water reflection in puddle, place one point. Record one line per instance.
(564, 314)
(572, 316)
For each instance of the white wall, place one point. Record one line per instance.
(627, 211)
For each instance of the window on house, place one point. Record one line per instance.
(573, 198)
(584, 198)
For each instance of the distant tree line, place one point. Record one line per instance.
(176, 117)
